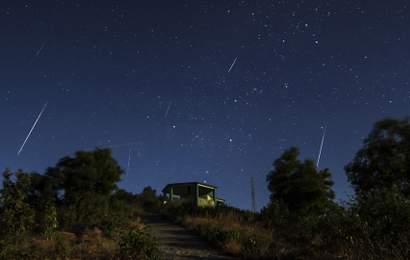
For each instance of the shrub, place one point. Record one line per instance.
(16, 215)
(138, 244)
(254, 247)
(149, 200)
(50, 222)
(385, 220)
(227, 232)
(61, 248)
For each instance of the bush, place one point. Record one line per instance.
(148, 200)
(138, 244)
(49, 220)
(61, 248)
(274, 214)
(228, 231)
(254, 247)
(385, 217)
(16, 215)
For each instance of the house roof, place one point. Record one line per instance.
(189, 183)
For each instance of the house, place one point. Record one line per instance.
(193, 193)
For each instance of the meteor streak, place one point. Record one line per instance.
(321, 147)
(168, 109)
(233, 64)
(32, 128)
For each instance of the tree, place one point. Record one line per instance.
(125, 196)
(43, 188)
(299, 185)
(387, 212)
(148, 199)
(384, 160)
(95, 172)
(87, 181)
(43, 198)
(16, 215)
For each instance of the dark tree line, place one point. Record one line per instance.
(299, 185)
(376, 222)
(76, 194)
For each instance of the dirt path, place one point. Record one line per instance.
(178, 243)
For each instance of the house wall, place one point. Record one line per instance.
(206, 197)
(195, 194)
(181, 194)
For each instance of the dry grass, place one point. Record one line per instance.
(232, 247)
(232, 236)
(135, 224)
(90, 244)
(65, 245)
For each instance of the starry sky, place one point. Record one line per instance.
(200, 90)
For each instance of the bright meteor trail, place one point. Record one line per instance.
(233, 64)
(168, 109)
(32, 128)
(321, 147)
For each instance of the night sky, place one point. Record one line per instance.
(158, 76)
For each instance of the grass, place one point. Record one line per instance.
(233, 231)
(337, 235)
(132, 241)
(230, 235)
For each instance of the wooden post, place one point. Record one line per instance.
(171, 193)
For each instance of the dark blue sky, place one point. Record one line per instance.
(155, 74)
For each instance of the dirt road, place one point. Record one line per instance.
(178, 243)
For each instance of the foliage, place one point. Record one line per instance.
(93, 172)
(274, 214)
(228, 234)
(50, 222)
(85, 211)
(125, 196)
(88, 182)
(234, 231)
(148, 199)
(43, 188)
(383, 162)
(10, 249)
(387, 213)
(299, 185)
(16, 215)
(380, 176)
(374, 225)
(138, 244)
(79, 195)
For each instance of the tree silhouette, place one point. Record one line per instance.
(148, 199)
(88, 172)
(299, 185)
(87, 181)
(384, 160)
